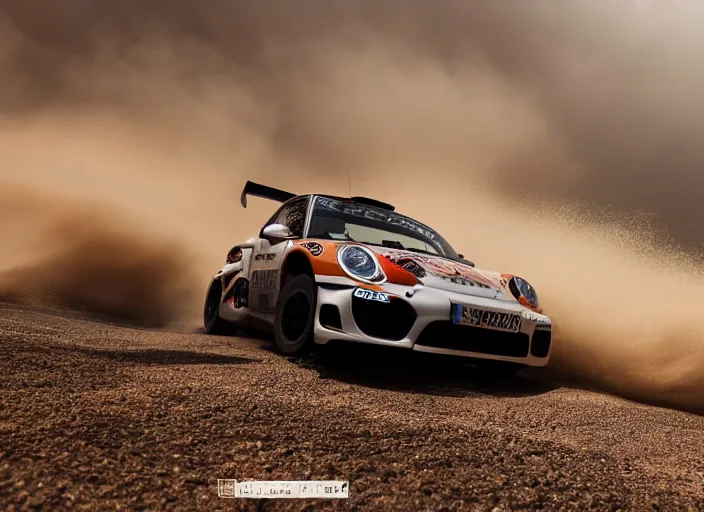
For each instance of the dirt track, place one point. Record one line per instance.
(97, 416)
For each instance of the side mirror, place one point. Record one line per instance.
(276, 233)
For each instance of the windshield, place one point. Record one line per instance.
(335, 219)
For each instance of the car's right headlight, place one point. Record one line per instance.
(360, 263)
(523, 291)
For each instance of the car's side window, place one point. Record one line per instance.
(292, 215)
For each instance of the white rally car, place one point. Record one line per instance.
(327, 268)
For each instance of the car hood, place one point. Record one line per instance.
(451, 275)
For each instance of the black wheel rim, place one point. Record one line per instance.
(212, 305)
(294, 317)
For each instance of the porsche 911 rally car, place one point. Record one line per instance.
(327, 268)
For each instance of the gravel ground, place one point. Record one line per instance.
(103, 417)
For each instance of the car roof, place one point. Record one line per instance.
(368, 201)
(282, 196)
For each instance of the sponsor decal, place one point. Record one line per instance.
(265, 257)
(449, 270)
(464, 282)
(264, 279)
(313, 247)
(466, 315)
(363, 293)
(358, 210)
(409, 265)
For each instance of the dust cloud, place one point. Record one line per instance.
(70, 254)
(560, 143)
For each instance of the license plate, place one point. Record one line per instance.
(371, 295)
(466, 315)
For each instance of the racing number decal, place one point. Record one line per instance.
(265, 257)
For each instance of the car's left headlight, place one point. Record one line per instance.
(520, 288)
(360, 263)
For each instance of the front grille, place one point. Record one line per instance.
(445, 334)
(540, 346)
(387, 321)
(330, 317)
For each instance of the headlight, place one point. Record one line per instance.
(520, 288)
(360, 263)
(234, 255)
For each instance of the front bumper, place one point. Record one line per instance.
(421, 321)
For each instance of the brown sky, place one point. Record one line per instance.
(618, 83)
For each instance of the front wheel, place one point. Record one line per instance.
(295, 313)
(212, 322)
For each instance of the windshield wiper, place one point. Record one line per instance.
(421, 251)
(393, 244)
(347, 237)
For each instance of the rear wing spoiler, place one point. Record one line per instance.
(257, 190)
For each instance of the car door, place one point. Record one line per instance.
(268, 255)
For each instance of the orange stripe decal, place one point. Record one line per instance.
(324, 263)
(396, 274)
(322, 255)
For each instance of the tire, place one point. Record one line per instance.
(212, 322)
(295, 315)
(489, 369)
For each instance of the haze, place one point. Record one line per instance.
(560, 142)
